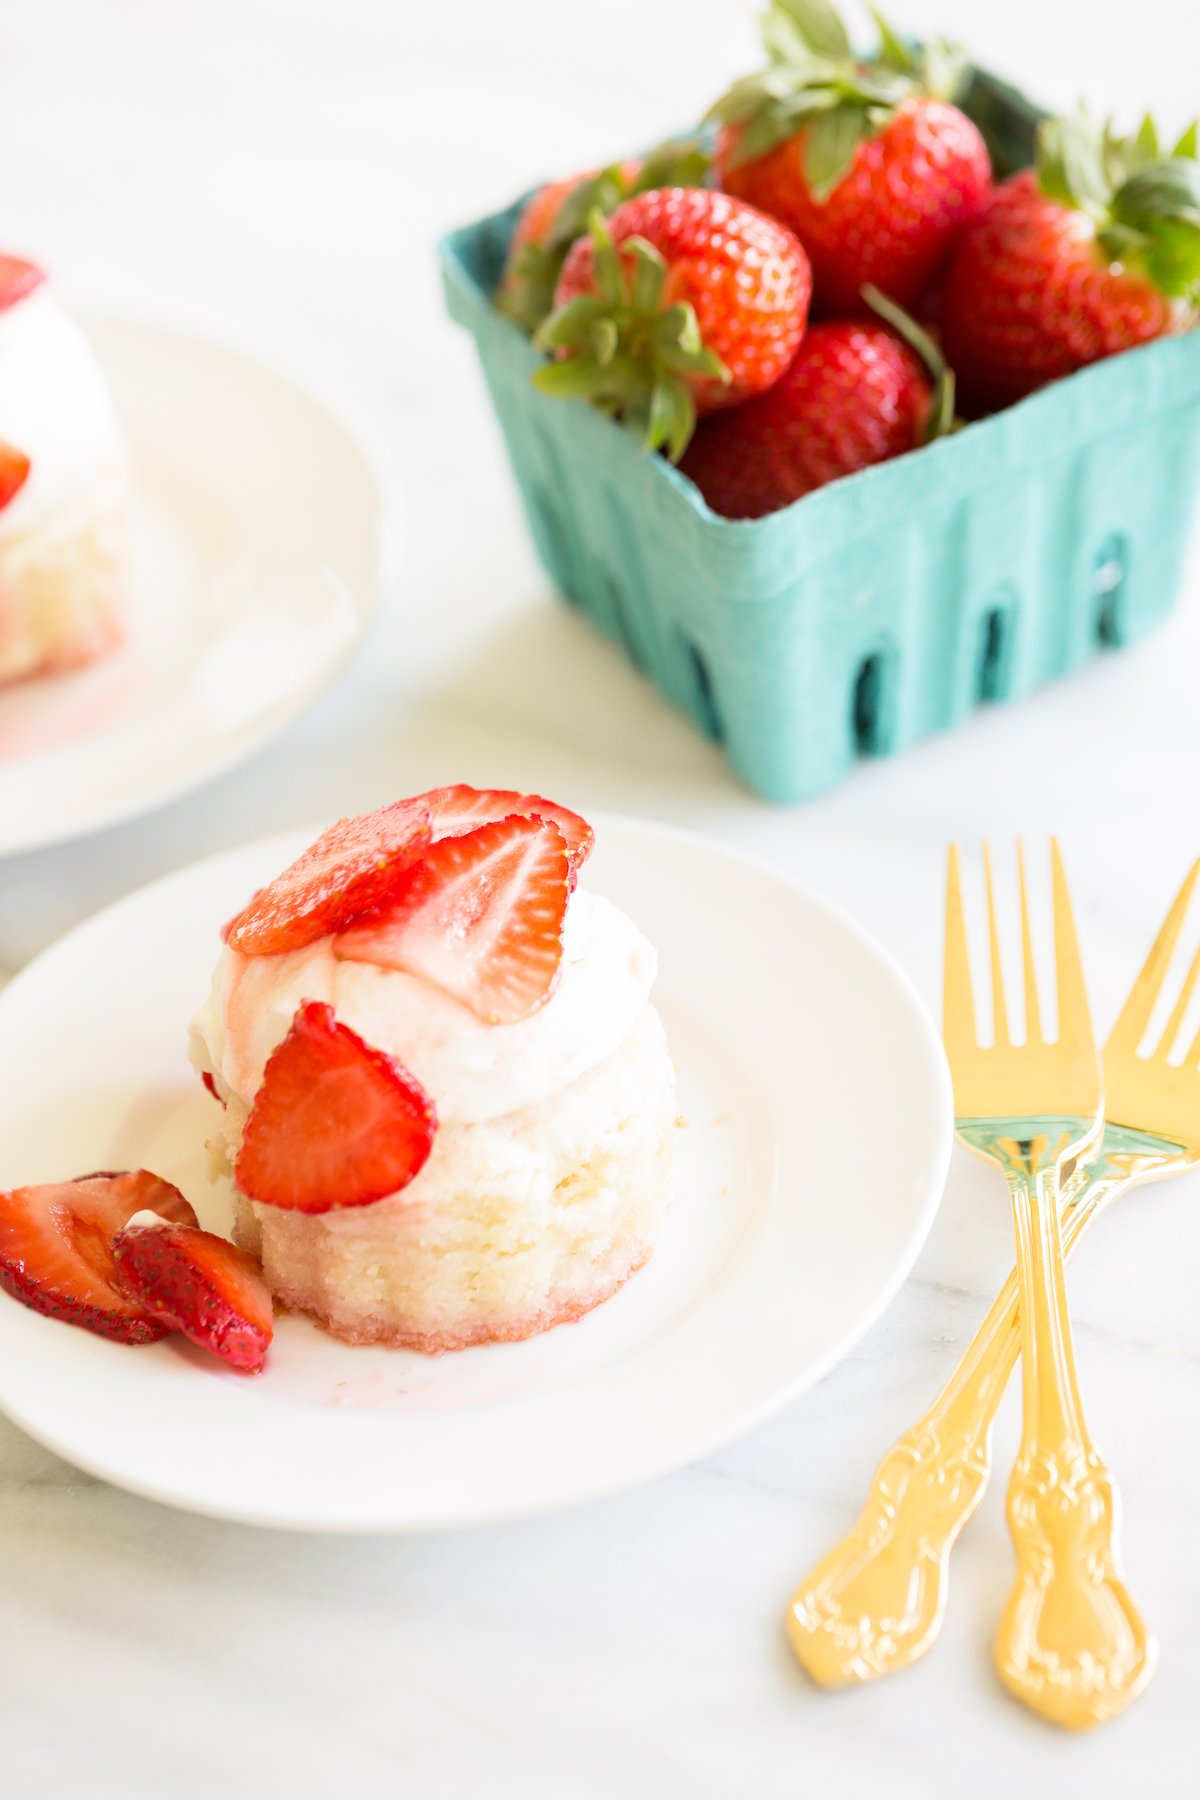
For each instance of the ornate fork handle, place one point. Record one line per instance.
(1071, 1644)
(875, 1602)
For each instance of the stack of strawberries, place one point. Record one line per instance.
(856, 191)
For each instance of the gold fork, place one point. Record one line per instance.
(875, 1603)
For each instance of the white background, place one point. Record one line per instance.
(279, 171)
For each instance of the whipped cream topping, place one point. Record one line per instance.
(54, 406)
(471, 1070)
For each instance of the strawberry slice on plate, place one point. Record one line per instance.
(192, 1281)
(354, 867)
(335, 1122)
(18, 278)
(56, 1255)
(14, 473)
(460, 809)
(482, 917)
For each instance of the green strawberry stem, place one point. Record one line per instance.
(627, 351)
(529, 296)
(813, 79)
(1144, 202)
(941, 412)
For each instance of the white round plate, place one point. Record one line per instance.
(819, 1125)
(256, 545)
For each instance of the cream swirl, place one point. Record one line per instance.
(471, 1070)
(54, 406)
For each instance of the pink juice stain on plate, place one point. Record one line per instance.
(49, 710)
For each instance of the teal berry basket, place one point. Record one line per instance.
(890, 604)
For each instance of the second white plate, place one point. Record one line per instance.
(257, 525)
(819, 1130)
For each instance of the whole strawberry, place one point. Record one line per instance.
(558, 213)
(685, 302)
(1093, 251)
(868, 163)
(855, 394)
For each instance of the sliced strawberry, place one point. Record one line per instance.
(481, 916)
(18, 278)
(356, 866)
(335, 1122)
(194, 1282)
(14, 473)
(55, 1252)
(211, 1085)
(459, 809)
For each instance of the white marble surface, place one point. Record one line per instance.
(280, 172)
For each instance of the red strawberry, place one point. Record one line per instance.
(874, 173)
(335, 1122)
(14, 473)
(459, 809)
(210, 1083)
(482, 917)
(355, 866)
(856, 394)
(687, 301)
(1094, 252)
(55, 1248)
(558, 213)
(18, 278)
(191, 1281)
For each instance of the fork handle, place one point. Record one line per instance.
(1072, 1644)
(875, 1602)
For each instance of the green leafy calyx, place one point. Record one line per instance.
(527, 292)
(814, 80)
(941, 413)
(628, 352)
(1144, 201)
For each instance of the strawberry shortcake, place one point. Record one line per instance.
(64, 486)
(448, 1104)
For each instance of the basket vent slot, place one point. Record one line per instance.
(873, 704)
(1108, 588)
(995, 652)
(704, 699)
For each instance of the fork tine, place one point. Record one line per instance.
(1033, 1016)
(1129, 1029)
(1074, 1018)
(1171, 1029)
(958, 1006)
(999, 1010)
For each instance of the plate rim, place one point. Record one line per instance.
(367, 443)
(677, 1456)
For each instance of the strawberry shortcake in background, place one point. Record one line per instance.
(64, 487)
